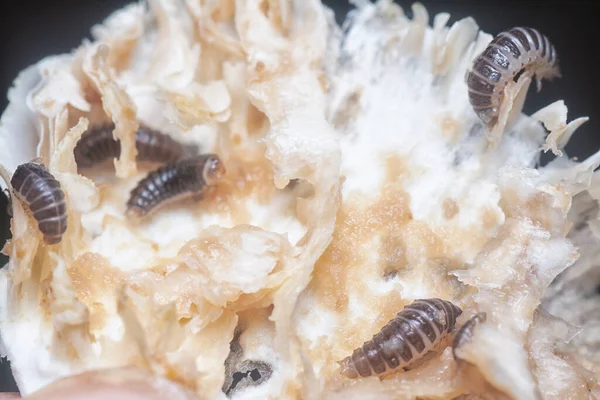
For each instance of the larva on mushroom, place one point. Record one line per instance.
(507, 54)
(186, 177)
(98, 145)
(465, 332)
(415, 331)
(35, 187)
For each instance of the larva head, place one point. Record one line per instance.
(38, 161)
(212, 169)
(456, 312)
(489, 116)
(548, 72)
(465, 333)
(347, 368)
(52, 240)
(551, 71)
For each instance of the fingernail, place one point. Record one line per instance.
(127, 383)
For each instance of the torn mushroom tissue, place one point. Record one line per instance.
(409, 196)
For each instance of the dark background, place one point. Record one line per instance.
(31, 30)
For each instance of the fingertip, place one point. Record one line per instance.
(118, 384)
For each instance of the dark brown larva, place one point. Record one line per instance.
(416, 330)
(465, 333)
(98, 145)
(508, 53)
(188, 176)
(39, 191)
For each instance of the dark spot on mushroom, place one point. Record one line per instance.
(8, 202)
(476, 130)
(390, 273)
(518, 75)
(255, 374)
(347, 111)
(585, 214)
(545, 158)
(301, 188)
(249, 373)
(240, 374)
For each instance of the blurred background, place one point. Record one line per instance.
(31, 30)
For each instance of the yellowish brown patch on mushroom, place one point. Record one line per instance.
(450, 208)
(95, 283)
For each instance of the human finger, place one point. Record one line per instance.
(119, 384)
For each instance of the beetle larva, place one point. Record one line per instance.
(507, 54)
(416, 330)
(188, 176)
(465, 333)
(35, 187)
(98, 145)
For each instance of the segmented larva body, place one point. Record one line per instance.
(188, 176)
(465, 333)
(416, 330)
(98, 145)
(42, 194)
(507, 54)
